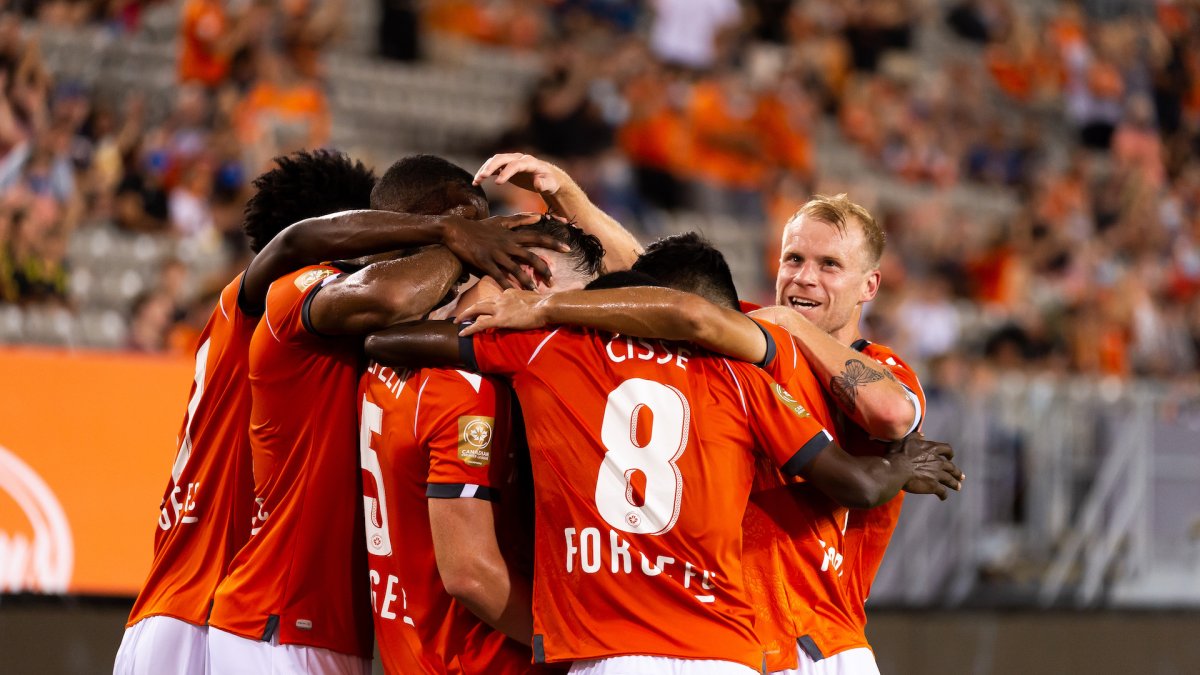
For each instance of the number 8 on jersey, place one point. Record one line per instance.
(620, 499)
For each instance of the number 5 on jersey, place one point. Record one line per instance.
(379, 541)
(639, 488)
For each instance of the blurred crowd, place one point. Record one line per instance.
(247, 90)
(1085, 114)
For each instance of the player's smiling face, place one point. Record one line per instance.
(825, 274)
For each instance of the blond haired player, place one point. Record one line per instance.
(828, 270)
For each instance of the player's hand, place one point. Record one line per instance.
(524, 171)
(933, 471)
(514, 309)
(489, 248)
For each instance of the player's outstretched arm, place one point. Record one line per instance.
(914, 465)
(863, 388)
(424, 344)
(648, 312)
(565, 198)
(382, 294)
(484, 245)
(474, 571)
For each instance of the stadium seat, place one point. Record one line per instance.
(12, 324)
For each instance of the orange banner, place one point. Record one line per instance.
(86, 445)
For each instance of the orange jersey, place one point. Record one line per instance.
(643, 457)
(811, 561)
(440, 434)
(206, 510)
(842, 624)
(303, 573)
(790, 526)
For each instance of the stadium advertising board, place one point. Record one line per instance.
(86, 445)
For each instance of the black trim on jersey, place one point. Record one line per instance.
(772, 349)
(241, 299)
(807, 453)
(343, 266)
(272, 626)
(466, 353)
(339, 265)
(809, 645)
(307, 307)
(860, 344)
(539, 649)
(458, 490)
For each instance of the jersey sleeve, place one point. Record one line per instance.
(782, 357)
(230, 305)
(463, 421)
(503, 352)
(289, 300)
(781, 427)
(903, 374)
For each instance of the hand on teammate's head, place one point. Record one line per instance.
(490, 248)
(524, 171)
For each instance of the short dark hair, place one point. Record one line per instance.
(304, 184)
(586, 252)
(425, 184)
(622, 279)
(689, 262)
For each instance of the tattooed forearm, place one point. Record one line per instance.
(844, 387)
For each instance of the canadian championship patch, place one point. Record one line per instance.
(475, 439)
(783, 395)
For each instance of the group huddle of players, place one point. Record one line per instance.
(611, 469)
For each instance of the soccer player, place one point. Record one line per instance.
(301, 580)
(436, 462)
(830, 267)
(206, 509)
(643, 455)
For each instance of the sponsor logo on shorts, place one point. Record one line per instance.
(475, 439)
(786, 397)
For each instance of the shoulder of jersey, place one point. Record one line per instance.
(306, 279)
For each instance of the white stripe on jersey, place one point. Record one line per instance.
(542, 344)
(739, 385)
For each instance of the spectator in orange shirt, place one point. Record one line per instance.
(283, 112)
(740, 138)
(208, 38)
(654, 137)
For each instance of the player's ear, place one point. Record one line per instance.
(870, 286)
(543, 284)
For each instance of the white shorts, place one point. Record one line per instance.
(860, 661)
(163, 644)
(230, 654)
(658, 665)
